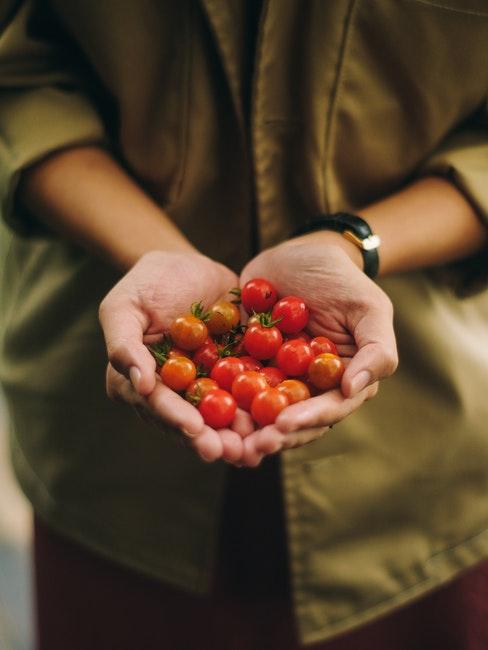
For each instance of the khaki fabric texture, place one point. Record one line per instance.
(350, 100)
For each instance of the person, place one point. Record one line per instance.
(158, 153)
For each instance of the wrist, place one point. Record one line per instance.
(331, 238)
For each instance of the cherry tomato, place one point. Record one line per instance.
(313, 390)
(198, 388)
(226, 370)
(295, 390)
(262, 342)
(176, 352)
(178, 373)
(299, 335)
(223, 316)
(258, 295)
(250, 363)
(254, 320)
(321, 344)
(267, 404)
(207, 355)
(246, 385)
(325, 371)
(218, 408)
(294, 357)
(293, 314)
(273, 376)
(188, 332)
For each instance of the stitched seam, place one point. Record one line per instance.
(438, 5)
(334, 97)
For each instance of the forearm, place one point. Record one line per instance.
(85, 195)
(428, 223)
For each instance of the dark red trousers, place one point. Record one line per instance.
(87, 603)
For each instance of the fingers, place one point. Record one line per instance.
(208, 444)
(303, 437)
(232, 446)
(321, 411)
(172, 409)
(377, 355)
(164, 405)
(243, 423)
(123, 327)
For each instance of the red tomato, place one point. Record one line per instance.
(293, 314)
(294, 357)
(218, 408)
(222, 317)
(246, 385)
(226, 370)
(273, 376)
(295, 390)
(250, 363)
(267, 404)
(198, 388)
(258, 295)
(325, 371)
(262, 342)
(300, 335)
(207, 355)
(321, 344)
(178, 373)
(188, 332)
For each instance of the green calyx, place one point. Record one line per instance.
(198, 311)
(265, 319)
(160, 351)
(237, 293)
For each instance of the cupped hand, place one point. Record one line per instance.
(158, 288)
(346, 306)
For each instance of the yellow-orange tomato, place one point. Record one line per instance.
(188, 332)
(223, 316)
(325, 371)
(294, 389)
(178, 373)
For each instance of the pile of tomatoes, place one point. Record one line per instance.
(262, 367)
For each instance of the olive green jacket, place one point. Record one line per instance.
(349, 100)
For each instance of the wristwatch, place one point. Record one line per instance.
(353, 228)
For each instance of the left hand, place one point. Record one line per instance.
(346, 306)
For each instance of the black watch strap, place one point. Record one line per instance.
(353, 228)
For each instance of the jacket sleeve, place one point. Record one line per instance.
(42, 105)
(463, 159)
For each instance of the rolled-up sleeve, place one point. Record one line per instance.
(463, 159)
(42, 105)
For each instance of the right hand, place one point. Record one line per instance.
(157, 289)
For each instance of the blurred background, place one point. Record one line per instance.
(15, 563)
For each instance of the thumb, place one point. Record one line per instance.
(377, 355)
(123, 328)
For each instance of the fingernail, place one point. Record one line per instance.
(135, 377)
(360, 381)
